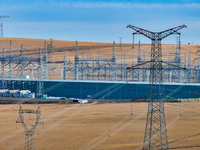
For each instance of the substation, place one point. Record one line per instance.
(28, 72)
(38, 72)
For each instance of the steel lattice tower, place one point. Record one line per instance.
(40, 84)
(29, 131)
(156, 130)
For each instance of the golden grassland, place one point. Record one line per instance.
(99, 126)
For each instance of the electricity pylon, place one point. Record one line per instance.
(29, 131)
(156, 130)
(1, 25)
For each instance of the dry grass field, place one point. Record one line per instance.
(99, 126)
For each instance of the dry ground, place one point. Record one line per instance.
(99, 126)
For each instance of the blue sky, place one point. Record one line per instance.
(99, 21)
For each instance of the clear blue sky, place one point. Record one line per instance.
(99, 21)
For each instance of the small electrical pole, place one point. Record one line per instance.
(180, 113)
(131, 108)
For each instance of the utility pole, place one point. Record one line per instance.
(180, 114)
(131, 108)
(156, 130)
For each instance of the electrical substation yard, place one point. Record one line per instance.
(99, 126)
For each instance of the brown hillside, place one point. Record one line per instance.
(91, 49)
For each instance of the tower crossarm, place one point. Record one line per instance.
(156, 35)
(168, 32)
(144, 32)
(29, 111)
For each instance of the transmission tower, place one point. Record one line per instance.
(1, 25)
(114, 62)
(156, 130)
(65, 65)
(139, 60)
(198, 66)
(3, 63)
(29, 130)
(10, 61)
(45, 73)
(76, 60)
(121, 51)
(40, 83)
(20, 62)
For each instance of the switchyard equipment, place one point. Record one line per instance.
(103, 77)
(156, 130)
(29, 130)
(198, 62)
